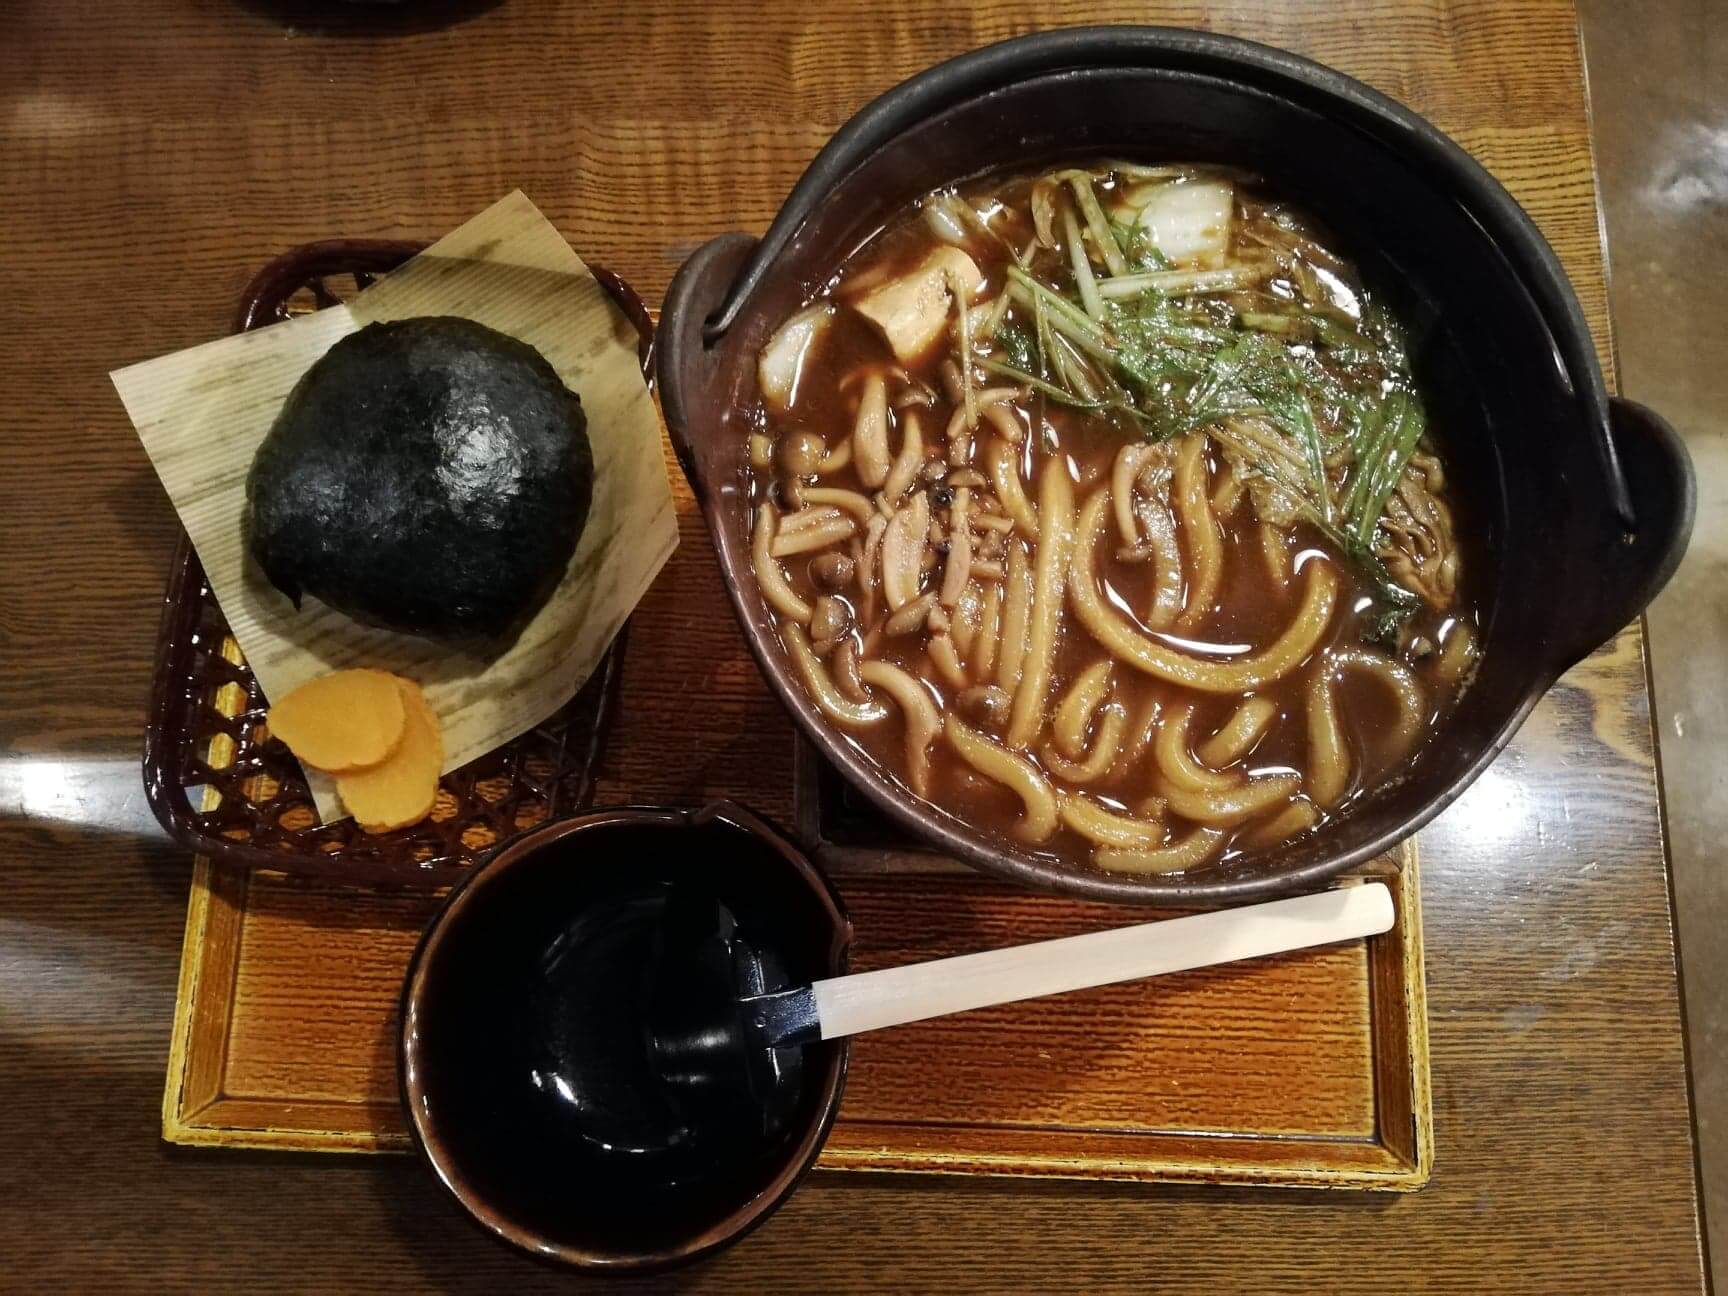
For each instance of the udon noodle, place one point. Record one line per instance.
(1100, 507)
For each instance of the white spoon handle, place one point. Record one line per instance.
(867, 1001)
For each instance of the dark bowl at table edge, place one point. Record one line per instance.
(1642, 474)
(749, 1215)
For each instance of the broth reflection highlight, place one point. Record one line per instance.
(1099, 506)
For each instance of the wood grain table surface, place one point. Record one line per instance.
(152, 153)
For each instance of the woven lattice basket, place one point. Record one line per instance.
(224, 788)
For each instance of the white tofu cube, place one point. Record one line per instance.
(911, 312)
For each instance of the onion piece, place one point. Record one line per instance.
(938, 212)
(1457, 652)
(1190, 223)
(781, 363)
(1045, 191)
(1168, 575)
(903, 550)
(1228, 491)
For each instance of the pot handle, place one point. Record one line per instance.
(684, 365)
(1634, 565)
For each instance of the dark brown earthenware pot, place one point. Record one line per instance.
(497, 1070)
(1578, 506)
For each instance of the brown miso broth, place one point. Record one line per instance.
(1100, 508)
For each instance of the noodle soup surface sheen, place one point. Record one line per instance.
(1100, 508)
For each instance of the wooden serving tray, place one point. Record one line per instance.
(1307, 1069)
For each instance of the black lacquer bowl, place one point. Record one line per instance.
(1583, 503)
(515, 1054)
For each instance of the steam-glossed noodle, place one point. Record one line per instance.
(1101, 508)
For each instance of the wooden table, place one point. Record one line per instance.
(152, 153)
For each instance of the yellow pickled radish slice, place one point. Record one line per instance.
(343, 721)
(401, 789)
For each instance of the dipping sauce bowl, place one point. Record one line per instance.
(521, 1043)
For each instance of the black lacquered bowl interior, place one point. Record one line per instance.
(520, 1111)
